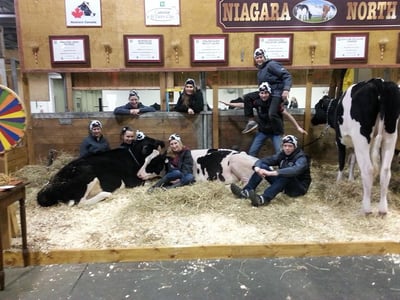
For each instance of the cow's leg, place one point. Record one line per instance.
(387, 152)
(352, 164)
(367, 173)
(341, 159)
(99, 197)
(93, 187)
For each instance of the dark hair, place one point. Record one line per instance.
(125, 129)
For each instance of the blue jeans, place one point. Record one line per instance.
(177, 174)
(290, 185)
(259, 140)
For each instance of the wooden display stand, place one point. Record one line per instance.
(11, 161)
(7, 198)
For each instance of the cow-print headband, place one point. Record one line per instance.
(291, 139)
(133, 93)
(95, 123)
(190, 81)
(174, 137)
(125, 129)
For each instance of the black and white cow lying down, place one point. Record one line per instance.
(365, 118)
(90, 179)
(225, 165)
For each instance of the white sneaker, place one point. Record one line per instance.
(251, 125)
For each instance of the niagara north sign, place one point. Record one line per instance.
(247, 15)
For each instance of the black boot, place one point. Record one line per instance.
(172, 186)
(158, 184)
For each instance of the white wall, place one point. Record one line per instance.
(298, 92)
(114, 98)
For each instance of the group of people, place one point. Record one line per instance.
(190, 101)
(179, 171)
(292, 166)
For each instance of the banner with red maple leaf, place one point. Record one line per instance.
(80, 13)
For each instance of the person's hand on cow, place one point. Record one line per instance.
(190, 111)
(264, 172)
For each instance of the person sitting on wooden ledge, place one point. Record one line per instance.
(134, 106)
(190, 99)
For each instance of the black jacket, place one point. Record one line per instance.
(196, 102)
(296, 165)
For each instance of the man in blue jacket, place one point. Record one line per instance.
(280, 81)
(291, 177)
(134, 106)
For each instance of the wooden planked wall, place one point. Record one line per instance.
(65, 132)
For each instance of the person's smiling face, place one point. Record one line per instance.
(175, 145)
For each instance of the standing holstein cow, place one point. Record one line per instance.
(225, 165)
(90, 179)
(365, 118)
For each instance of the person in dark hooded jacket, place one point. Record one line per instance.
(292, 176)
(190, 99)
(95, 142)
(179, 165)
(280, 81)
(134, 106)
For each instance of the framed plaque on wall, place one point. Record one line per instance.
(398, 49)
(70, 51)
(209, 49)
(144, 50)
(349, 48)
(162, 13)
(279, 47)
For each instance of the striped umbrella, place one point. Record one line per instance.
(12, 119)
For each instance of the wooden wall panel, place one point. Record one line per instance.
(49, 133)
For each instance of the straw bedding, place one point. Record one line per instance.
(206, 213)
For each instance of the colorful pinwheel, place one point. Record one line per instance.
(12, 119)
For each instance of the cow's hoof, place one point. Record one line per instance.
(71, 203)
(382, 214)
(367, 213)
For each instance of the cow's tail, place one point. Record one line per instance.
(376, 146)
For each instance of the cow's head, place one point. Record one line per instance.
(323, 110)
(84, 7)
(153, 167)
(145, 147)
(69, 183)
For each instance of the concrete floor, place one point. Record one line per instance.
(366, 277)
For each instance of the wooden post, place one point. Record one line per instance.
(68, 92)
(307, 110)
(215, 115)
(163, 88)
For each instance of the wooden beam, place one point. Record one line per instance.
(14, 258)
